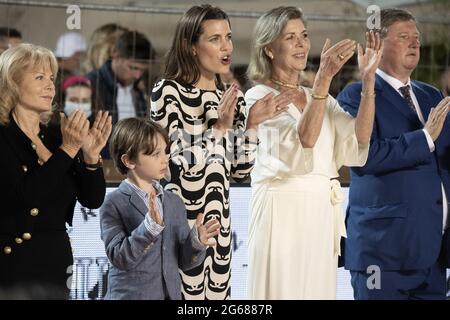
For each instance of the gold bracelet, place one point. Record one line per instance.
(367, 95)
(318, 97)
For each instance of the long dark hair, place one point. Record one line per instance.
(181, 64)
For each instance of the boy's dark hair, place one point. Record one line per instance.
(132, 136)
(134, 45)
(10, 32)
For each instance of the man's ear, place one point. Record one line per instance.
(127, 162)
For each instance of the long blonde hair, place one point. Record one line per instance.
(13, 64)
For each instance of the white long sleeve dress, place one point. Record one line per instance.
(296, 219)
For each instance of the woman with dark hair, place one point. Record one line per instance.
(212, 139)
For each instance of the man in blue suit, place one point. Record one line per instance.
(397, 214)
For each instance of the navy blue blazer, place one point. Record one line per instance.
(394, 217)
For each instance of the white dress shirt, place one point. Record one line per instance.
(124, 101)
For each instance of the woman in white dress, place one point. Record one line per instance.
(296, 220)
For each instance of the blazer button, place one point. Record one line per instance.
(24, 168)
(34, 212)
(40, 161)
(7, 250)
(33, 146)
(26, 236)
(19, 240)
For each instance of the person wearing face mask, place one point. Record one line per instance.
(212, 138)
(77, 94)
(70, 50)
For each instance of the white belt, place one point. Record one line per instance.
(337, 197)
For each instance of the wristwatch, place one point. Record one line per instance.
(97, 165)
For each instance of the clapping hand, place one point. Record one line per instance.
(268, 107)
(74, 131)
(437, 117)
(226, 109)
(334, 57)
(153, 210)
(369, 59)
(207, 231)
(97, 136)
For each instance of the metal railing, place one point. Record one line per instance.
(180, 11)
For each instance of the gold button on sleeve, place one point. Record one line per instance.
(34, 212)
(26, 236)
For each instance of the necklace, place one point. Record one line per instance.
(287, 85)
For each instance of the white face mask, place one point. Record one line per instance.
(70, 107)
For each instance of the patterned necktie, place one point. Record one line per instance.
(407, 95)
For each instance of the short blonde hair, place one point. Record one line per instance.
(268, 28)
(13, 64)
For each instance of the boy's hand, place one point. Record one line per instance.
(153, 209)
(207, 231)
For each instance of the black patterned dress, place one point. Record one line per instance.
(201, 167)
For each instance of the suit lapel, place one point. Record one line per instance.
(167, 208)
(135, 200)
(423, 99)
(394, 98)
